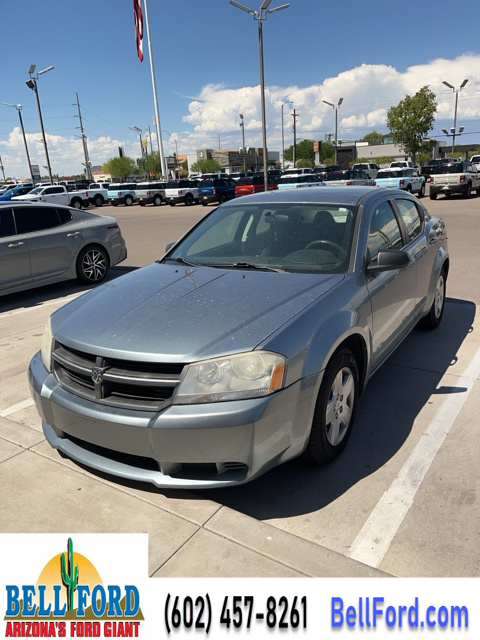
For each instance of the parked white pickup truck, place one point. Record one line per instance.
(56, 194)
(456, 177)
(98, 193)
(406, 179)
(181, 191)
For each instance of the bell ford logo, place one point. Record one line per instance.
(97, 375)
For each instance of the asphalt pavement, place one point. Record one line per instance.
(401, 500)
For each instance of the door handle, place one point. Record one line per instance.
(74, 234)
(14, 245)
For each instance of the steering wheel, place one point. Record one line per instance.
(330, 244)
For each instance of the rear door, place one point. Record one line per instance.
(14, 258)
(52, 236)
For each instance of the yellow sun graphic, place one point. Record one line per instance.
(51, 575)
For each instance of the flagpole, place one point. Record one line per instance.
(155, 96)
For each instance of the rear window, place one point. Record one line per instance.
(360, 166)
(252, 180)
(211, 183)
(455, 167)
(113, 187)
(338, 175)
(389, 174)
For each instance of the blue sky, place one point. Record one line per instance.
(198, 43)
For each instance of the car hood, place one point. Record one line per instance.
(175, 313)
(27, 196)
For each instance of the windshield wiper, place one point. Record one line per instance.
(243, 265)
(183, 261)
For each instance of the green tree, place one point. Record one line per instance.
(305, 162)
(207, 165)
(120, 167)
(305, 151)
(185, 165)
(412, 119)
(373, 137)
(384, 160)
(153, 164)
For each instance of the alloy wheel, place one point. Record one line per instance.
(439, 296)
(94, 265)
(340, 406)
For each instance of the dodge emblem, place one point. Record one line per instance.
(97, 375)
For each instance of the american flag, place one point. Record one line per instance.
(138, 16)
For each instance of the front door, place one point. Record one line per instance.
(392, 293)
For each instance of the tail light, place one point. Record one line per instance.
(463, 178)
(86, 194)
(216, 192)
(119, 193)
(149, 193)
(402, 183)
(432, 180)
(374, 183)
(180, 192)
(349, 184)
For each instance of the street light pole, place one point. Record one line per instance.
(139, 131)
(84, 142)
(260, 16)
(455, 91)
(242, 124)
(32, 84)
(1, 167)
(283, 134)
(335, 108)
(18, 107)
(177, 167)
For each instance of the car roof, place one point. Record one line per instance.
(394, 168)
(29, 203)
(320, 195)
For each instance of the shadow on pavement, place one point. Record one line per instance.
(50, 292)
(386, 413)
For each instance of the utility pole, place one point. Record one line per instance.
(295, 116)
(283, 133)
(3, 170)
(242, 124)
(150, 136)
(88, 170)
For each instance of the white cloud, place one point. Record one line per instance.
(367, 91)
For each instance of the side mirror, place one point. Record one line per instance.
(388, 260)
(169, 246)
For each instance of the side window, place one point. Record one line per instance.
(384, 230)
(60, 190)
(49, 191)
(7, 225)
(410, 217)
(31, 219)
(64, 215)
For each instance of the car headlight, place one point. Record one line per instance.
(244, 375)
(47, 344)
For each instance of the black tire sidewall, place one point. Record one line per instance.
(318, 449)
(188, 200)
(128, 201)
(430, 321)
(157, 201)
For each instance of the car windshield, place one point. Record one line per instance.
(475, 159)
(296, 237)
(449, 168)
(36, 190)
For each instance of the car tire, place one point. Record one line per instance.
(172, 204)
(409, 188)
(468, 191)
(142, 204)
(338, 392)
(128, 201)
(98, 201)
(421, 193)
(222, 198)
(435, 315)
(92, 265)
(204, 204)
(114, 204)
(157, 200)
(76, 203)
(433, 196)
(189, 200)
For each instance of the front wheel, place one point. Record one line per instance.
(76, 203)
(98, 201)
(435, 315)
(468, 192)
(92, 265)
(433, 196)
(157, 201)
(128, 201)
(222, 199)
(189, 199)
(421, 193)
(335, 409)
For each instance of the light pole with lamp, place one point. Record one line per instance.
(32, 84)
(260, 16)
(453, 133)
(455, 91)
(1, 167)
(286, 101)
(242, 125)
(18, 107)
(139, 131)
(177, 169)
(335, 108)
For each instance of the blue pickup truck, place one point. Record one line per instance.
(216, 190)
(400, 178)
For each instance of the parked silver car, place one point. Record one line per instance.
(43, 243)
(248, 343)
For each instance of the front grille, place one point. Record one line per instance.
(113, 381)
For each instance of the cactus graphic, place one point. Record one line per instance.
(70, 579)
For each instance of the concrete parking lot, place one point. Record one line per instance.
(401, 500)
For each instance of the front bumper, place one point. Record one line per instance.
(448, 188)
(196, 446)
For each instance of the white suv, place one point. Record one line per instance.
(476, 161)
(368, 167)
(402, 164)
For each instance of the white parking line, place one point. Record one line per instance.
(18, 406)
(8, 314)
(376, 535)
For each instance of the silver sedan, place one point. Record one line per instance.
(248, 343)
(43, 243)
